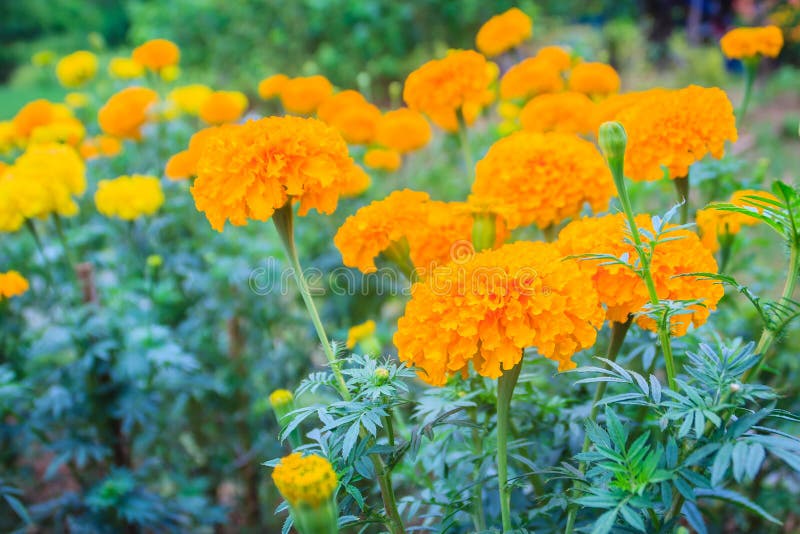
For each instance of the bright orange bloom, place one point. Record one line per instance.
(384, 159)
(559, 57)
(336, 103)
(358, 183)
(530, 77)
(744, 43)
(157, 54)
(303, 96)
(100, 146)
(542, 178)
(403, 130)
(12, 284)
(38, 113)
(594, 79)
(126, 112)
(271, 86)
(248, 171)
(487, 310)
(441, 88)
(567, 112)
(622, 290)
(713, 223)
(610, 108)
(503, 32)
(183, 165)
(223, 106)
(358, 123)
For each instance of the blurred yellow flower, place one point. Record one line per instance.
(503, 32)
(68, 130)
(42, 58)
(124, 68)
(38, 113)
(190, 98)
(183, 165)
(170, 73)
(76, 100)
(129, 197)
(305, 480)
(223, 106)
(359, 332)
(358, 123)
(77, 68)
(557, 56)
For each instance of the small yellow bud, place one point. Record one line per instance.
(170, 73)
(280, 398)
(154, 261)
(382, 375)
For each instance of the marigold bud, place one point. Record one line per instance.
(612, 140)
(308, 484)
(381, 375)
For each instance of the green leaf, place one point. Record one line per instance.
(739, 459)
(605, 522)
(721, 462)
(350, 439)
(738, 499)
(632, 518)
(617, 431)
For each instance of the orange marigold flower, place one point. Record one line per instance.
(674, 129)
(271, 86)
(542, 178)
(503, 32)
(488, 309)
(358, 183)
(304, 95)
(184, 164)
(567, 112)
(223, 106)
(384, 159)
(594, 79)
(609, 108)
(559, 57)
(334, 104)
(530, 77)
(441, 88)
(126, 112)
(713, 223)
(622, 290)
(403, 130)
(157, 54)
(248, 171)
(12, 284)
(190, 98)
(100, 146)
(744, 43)
(76, 69)
(358, 123)
(38, 113)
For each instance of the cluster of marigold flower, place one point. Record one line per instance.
(544, 171)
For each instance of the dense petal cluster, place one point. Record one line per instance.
(76, 69)
(559, 57)
(190, 98)
(486, 310)
(305, 480)
(567, 112)
(384, 159)
(42, 120)
(594, 79)
(503, 32)
(184, 164)
(610, 108)
(674, 129)
(157, 54)
(458, 83)
(124, 68)
(622, 291)
(223, 106)
(542, 178)
(12, 284)
(271, 86)
(744, 43)
(248, 171)
(358, 123)
(403, 130)
(129, 197)
(124, 114)
(304, 95)
(530, 77)
(713, 223)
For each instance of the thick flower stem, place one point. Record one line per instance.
(63, 238)
(618, 333)
(478, 515)
(750, 68)
(463, 140)
(682, 188)
(505, 390)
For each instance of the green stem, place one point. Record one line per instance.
(505, 390)
(550, 233)
(63, 239)
(682, 188)
(398, 254)
(40, 247)
(478, 515)
(463, 139)
(750, 68)
(618, 333)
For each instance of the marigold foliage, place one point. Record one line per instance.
(594, 79)
(403, 130)
(304, 95)
(12, 284)
(124, 68)
(129, 197)
(530, 77)
(458, 83)
(567, 112)
(712, 222)
(745, 43)
(622, 291)
(359, 332)
(503, 32)
(384, 159)
(542, 178)
(190, 98)
(223, 106)
(76, 69)
(673, 129)
(126, 112)
(248, 171)
(271, 86)
(487, 310)
(157, 54)
(305, 480)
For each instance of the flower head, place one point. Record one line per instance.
(12, 284)
(305, 480)
(403, 130)
(101, 146)
(124, 114)
(76, 69)
(503, 32)
(184, 164)
(530, 77)
(622, 291)
(280, 398)
(442, 88)
(337, 102)
(384, 159)
(674, 129)
(190, 98)
(304, 95)
(36, 114)
(223, 106)
(271, 86)
(594, 79)
(248, 171)
(157, 54)
(129, 197)
(744, 43)
(559, 57)
(542, 178)
(76, 100)
(491, 307)
(567, 112)
(359, 332)
(358, 123)
(714, 223)
(124, 68)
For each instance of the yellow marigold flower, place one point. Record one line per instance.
(223, 106)
(557, 56)
(250, 170)
(712, 222)
(101, 146)
(335, 103)
(124, 68)
(623, 291)
(157, 54)
(38, 113)
(441, 88)
(594, 79)
(8, 136)
(126, 112)
(403, 130)
(304, 95)
(542, 178)
(530, 77)
(272, 86)
(76, 69)
(491, 307)
(129, 197)
(744, 43)
(76, 100)
(11, 216)
(384, 159)
(43, 58)
(359, 332)
(280, 398)
(189, 98)
(567, 112)
(12, 284)
(504, 32)
(68, 130)
(357, 123)
(305, 480)
(184, 164)
(170, 74)
(674, 129)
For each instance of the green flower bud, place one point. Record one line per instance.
(483, 231)
(612, 140)
(381, 375)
